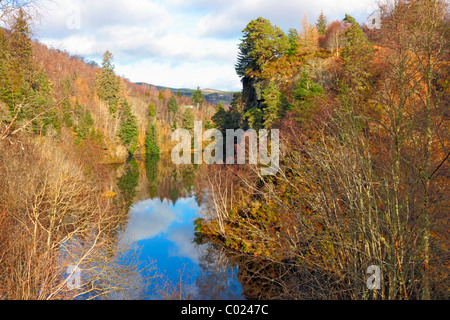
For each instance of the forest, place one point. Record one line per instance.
(362, 111)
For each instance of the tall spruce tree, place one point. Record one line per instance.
(108, 83)
(322, 24)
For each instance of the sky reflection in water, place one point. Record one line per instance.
(164, 232)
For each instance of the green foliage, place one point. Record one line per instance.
(84, 123)
(293, 42)
(174, 125)
(188, 120)
(322, 24)
(306, 88)
(107, 83)
(208, 124)
(25, 90)
(160, 96)
(261, 44)
(129, 181)
(356, 40)
(198, 97)
(66, 106)
(151, 142)
(255, 118)
(357, 56)
(129, 130)
(173, 105)
(151, 110)
(272, 104)
(220, 117)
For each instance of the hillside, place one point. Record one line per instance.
(211, 96)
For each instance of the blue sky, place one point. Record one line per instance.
(176, 43)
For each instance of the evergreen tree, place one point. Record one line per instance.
(271, 106)
(306, 88)
(173, 106)
(151, 142)
(160, 97)
(84, 123)
(129, 130)
(188, 120)
(108, 83)
(151, 110)
(220, 118)
(261, 44)
(356, 40)
(322, 24)
(293, 42)
(198, 97)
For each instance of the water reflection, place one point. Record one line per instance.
(161, 224)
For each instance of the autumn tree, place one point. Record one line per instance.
(413, 98)
(309, 36)
(333, 39)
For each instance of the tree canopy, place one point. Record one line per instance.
(261, 44)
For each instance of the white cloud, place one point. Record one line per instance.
(178, 43)
(148, 219)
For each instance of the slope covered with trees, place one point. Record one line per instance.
(363, 180)
(65, 127)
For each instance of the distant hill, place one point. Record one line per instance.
(211, 96)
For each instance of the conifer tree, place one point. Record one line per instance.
(322, 24)
(262, 43)
(271, 106)
(293, 42)
(108, 83)
(173, 105)
(198, 97)
(129, 130)
(188, 120)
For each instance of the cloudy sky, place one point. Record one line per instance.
(176, 43)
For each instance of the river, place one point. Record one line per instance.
(161, 228)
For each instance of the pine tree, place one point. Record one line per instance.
(220, 117)
(129, 130)
(322, 24)
(198, 97)
(151, 142)
(188, 120)
(272, 104)
(160, 97)
(107, 83)
(293, 42)
(173, 105)
(262, 43)
(151, 110)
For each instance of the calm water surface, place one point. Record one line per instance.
(163, 231)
